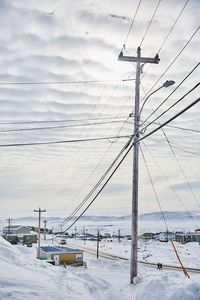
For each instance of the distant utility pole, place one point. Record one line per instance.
(75, 231)
(138, 59)
(52, 235)
(84, 233)
(39, 211)
(45, 229)
(119, 235)
(98, 244)
(9, 224)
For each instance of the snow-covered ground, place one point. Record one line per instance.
(22, 276)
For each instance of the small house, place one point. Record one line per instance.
(16, 229)
(19, 234)
(62, 255)
(185, 238)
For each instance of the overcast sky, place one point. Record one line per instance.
(80, 40)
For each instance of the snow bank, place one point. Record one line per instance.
(24, 277)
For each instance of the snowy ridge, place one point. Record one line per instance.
(154, 216)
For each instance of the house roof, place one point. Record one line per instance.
(59, 249)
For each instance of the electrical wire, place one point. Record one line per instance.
(177, 87)
(147, 29)
(65, 82)
(176, 147)
(170, 31)
(60, 121)
(176, 57)
(191, 90)
(131, 26)
(182, 171)
(153, 187)
(130, 147)
(58, 127)
(170, 185)
(96, 185)
(63, 142)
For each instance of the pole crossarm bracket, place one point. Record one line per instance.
(154, 60)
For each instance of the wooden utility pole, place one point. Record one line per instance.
(138, 59)
(98, 244)
(52, 235)
(84, 234)
(75, 232)
(9, 224)
(39, 211)
(119, 235)
(45, 229)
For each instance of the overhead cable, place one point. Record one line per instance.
(131, 26)
(191, 90)
(173, 61)
(60, 121)
(177, 87)
(170, 31)
(154, 190)
(170, 185)
(130, 147)
(64, 82)
(150, 23)
(58, 127)
(64, 142)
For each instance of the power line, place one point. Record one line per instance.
(58, 127)
(173, 61)
(133, 20)
(154, 190)
(181, 169)
(183, 128)
(167, 179)
(64, 82)
(130, 147)
(191, 90)
(171, 119)
(177, 87)
(97, 184)
(176, 147)
(150, 23)
(60, 121)
(63, 142)
(170, 31)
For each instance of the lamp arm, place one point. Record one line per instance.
(148, 98)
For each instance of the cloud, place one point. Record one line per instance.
(80, 41)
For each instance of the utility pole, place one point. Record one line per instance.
(39, 211)
(98, 244)
(52, 235)
(138, 59)
(75, 232)
(9, 224)
(84, 234)
(45, 229)
(119, 235)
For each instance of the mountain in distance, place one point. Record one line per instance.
(153, 216)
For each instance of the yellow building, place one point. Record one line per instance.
(62, 255)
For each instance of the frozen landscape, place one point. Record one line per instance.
(22, 276)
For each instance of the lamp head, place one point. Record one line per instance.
(168, 83)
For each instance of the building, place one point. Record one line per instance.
(19, 234)
(147, 235)
(185, 238)
(16, 229)
(62, 255)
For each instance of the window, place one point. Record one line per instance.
(78, 257)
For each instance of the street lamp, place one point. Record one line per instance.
(166, 84)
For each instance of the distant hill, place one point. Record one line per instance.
(153, 216)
